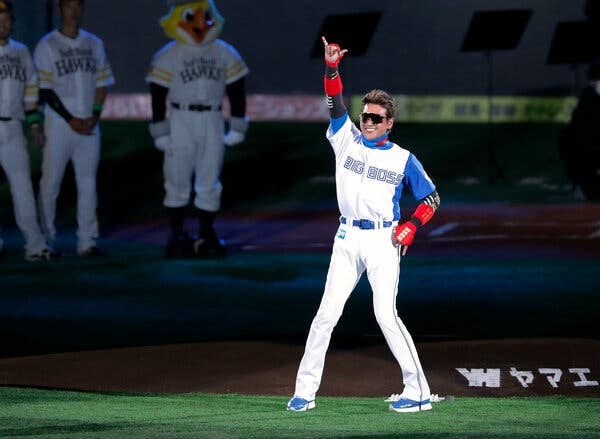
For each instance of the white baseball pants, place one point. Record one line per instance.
(196, 149)
(64, 145)
(14, 159)
(354, 251)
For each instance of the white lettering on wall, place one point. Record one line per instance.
(525, 377)
(481, 377)
(552, 375)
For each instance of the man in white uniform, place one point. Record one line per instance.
(193, 74)
(74, 73)
(18, 101)
(371, 173)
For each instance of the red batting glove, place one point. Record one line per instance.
(405, 233)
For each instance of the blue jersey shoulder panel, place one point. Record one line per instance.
(417, 179)
(338, 122)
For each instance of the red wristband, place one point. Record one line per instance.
(333, 86)
(423, 213)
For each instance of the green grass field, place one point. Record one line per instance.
(45, 413)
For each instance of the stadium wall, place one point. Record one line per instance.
(415, 48)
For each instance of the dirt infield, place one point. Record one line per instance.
(530, 367)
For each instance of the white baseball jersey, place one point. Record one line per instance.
(18, 84)
(370, 179)
(73, 68)
(19, 80)
(197, 73)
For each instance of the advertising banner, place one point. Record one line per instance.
(416, 109)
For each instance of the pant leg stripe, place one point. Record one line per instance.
(404, 331)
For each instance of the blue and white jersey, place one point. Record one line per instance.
(369, 177)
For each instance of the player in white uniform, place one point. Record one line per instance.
(193, 74)
(18, 101)
(371, 173)
(74, 74)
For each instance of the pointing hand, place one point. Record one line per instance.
(333, 53)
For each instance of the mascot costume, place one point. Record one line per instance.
(189, 79)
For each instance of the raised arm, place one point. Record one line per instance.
(333, 82)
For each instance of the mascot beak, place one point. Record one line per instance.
(196, 23)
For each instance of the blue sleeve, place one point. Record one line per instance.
(338, 122)
(417, 179)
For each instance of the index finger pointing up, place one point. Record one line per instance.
(324, 40)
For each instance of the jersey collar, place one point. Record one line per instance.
(381, 142)
(69, 39)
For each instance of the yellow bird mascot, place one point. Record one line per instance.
(190, 77)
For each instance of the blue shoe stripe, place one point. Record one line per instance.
(408, 403)
(298, 404)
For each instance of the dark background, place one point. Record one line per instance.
(415, 48)
(537, 280)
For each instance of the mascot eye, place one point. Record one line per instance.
(208, 18)
(188, 14)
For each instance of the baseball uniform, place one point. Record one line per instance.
(196, 76)
(369, 182)
(371, 175)
(18, 85)
(73, 68)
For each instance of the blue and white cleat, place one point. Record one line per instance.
(405, 405)
(298, 404)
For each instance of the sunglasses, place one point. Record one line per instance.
(375, 118)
